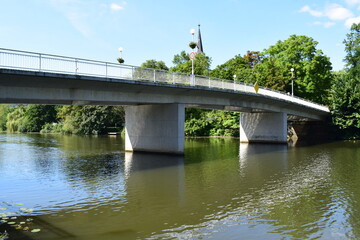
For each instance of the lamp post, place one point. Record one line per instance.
(120, 59)
(192, 31)
(292, 81)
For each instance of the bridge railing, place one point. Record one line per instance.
(23, 60)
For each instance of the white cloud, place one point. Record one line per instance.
(312, 12)
(74, 12)
(116, 7)
(325, 24)
(349, 22)
(353, 2)
(334, 12)
(337, 12)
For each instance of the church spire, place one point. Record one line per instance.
(199, 43)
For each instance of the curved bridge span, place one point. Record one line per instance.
(154, 99)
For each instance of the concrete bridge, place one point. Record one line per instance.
(154, 100)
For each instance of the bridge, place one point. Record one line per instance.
(154, 100)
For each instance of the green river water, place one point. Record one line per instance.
(80, 187)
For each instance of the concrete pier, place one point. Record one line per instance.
(155, 128)
(263, 127)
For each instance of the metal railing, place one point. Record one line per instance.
(23, 60)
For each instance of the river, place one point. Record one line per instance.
(87, 187)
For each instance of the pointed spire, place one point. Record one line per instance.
(199, 44)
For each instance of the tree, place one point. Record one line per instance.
(252, 58)
(90, 119)
(312, 68)
(36, 116)
(155, 65)
(345, 94)
(352, 48)
(345, 105)
(230, 68)
(4, 111)
(183, 64)
(14, 119)
(240, 67)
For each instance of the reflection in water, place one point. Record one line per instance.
(88, 188)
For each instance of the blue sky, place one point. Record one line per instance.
(159, 29)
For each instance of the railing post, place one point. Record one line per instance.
(106, 70)
(154, 75)
(234, 86)
(173, 78)
(209, 82)
(39, 62)
(76, 67)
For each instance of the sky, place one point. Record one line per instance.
(159, 29)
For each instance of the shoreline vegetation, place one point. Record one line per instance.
(295, 61)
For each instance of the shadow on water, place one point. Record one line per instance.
(146, 161)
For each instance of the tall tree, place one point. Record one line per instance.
(155, 64)
(345, 94)
(345, 105)
(352, 48)
(230, 68)
(183, 64)
(90, 119)
(312, 68)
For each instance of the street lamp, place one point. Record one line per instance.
(120, 50)
(192, 31)
(120, 59)
(292, 81)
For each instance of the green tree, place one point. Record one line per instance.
(155, 65)
(232, 67)
(183, 64)
(345, 94)
(90, 119)
(242, 68)
(352, 48)
(30, 118)
(38, 115)
(4, 111)
(312, 68)
(14, 119)
(345, 105)
(201, 122)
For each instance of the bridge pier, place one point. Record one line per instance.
(263, 127)
(155, 128)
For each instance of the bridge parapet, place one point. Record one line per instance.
(39, 62)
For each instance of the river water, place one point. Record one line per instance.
(88, 188)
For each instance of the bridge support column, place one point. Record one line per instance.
(263, 127)
(155, 128)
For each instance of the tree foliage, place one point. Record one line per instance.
(89, 119)
(352, 48)
(30, 118)
(346, 104)
(345, 94)
(155, 64)
(4, 111)
(211, 123)
(37, 115)
(183, 64)
(312, 68)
